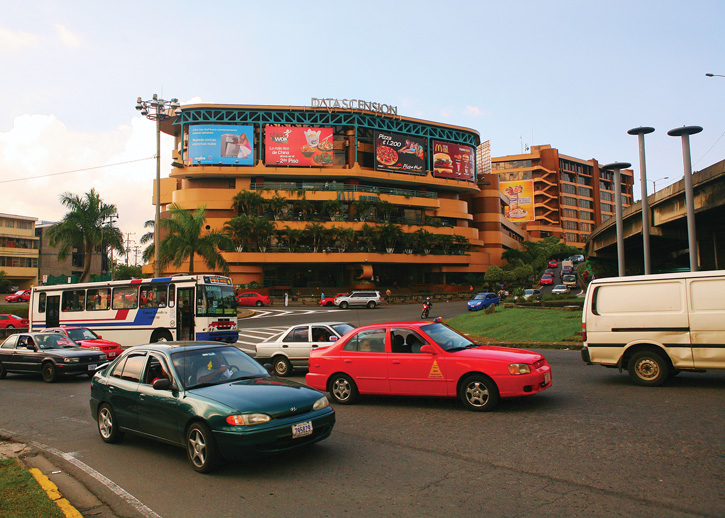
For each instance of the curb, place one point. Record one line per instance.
(53, 494)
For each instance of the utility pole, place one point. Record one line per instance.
(128, 245)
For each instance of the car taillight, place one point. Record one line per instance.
(584, 332)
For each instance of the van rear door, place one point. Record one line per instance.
(707, 322)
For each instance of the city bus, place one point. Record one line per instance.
(139, 311)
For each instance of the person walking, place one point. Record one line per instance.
(286, 299)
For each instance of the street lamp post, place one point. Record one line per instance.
(685, 132)
(617, 168)
(158, 110)
(654, 183)
(641, 132)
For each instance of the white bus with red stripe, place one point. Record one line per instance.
(139, 311)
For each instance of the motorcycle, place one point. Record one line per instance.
(426, 310)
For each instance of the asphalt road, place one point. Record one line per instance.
(592, 445)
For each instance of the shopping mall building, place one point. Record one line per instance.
(355, 194)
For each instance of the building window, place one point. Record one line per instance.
(568, 200)
(571, 225)
(606, 196)
(586, 204)
(568, 189)
(586, 215)
(586, 227)
(570, 213)
(606, 207)
(585, 191)
(584, 180)
(572, 237)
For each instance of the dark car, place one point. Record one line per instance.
(49, 354)
(211, 399)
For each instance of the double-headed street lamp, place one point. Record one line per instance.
(158, 110)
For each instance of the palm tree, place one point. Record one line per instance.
(316, 232)
(239, 230)
(248, 202)
(87, 224)
(389, 234)
(385, 210)
(277, 205)
(185, 237)
(292, 236)
(262, 232)
(345, 237)
(148, 237)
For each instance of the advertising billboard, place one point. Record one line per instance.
(217, 144)
(453, 161)
(288, 146)
(521, 200)
(399, 153)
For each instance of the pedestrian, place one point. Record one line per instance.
(286, 299)
(322, 295)
(471, 288)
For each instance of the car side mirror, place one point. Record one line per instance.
(30, 347)
(269, 367)
(162, 384)
(333, 338)
(428, 349)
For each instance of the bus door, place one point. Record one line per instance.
(185, 314)
(52, 311)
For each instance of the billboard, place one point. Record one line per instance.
(453, 161)
(217, 144)
(399, 153)
(521, 200)
(298, 146)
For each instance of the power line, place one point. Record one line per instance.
(78, 170)
(706, 152)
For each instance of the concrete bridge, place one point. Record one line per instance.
(668, 230)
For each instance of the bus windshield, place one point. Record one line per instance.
(215, 299)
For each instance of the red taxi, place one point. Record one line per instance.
(18, 296)
(424, 359)
(252, 298)
(88, 340)
(330, 301)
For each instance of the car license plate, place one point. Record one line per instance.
(92, 367)
(301, 429)
(547, 378)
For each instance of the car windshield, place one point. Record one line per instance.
(447, 338)
(341, 329)
(53, 341)
(215, 365)
(479, 296)
(81, 334)
(215, 299)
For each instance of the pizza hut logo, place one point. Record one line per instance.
(282, 137)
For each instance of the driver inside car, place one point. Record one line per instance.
(213, 370)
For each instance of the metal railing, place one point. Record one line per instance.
(339, 187)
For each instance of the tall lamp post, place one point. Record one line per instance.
(641, 132)
(617, 168)
(654, 183)
(158, 110)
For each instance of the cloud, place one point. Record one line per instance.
(68, 39)
(11, 41)
(473, 110)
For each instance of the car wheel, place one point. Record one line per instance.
(479, 393)
(648, 369)
(344, 305)
(259, 304)
(371, 304)
(107, 424)
(201, 448)
(161, 335)
(3, 372)
(10, 327)
(343, 389)
(282, 366)
(50, 374)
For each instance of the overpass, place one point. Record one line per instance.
(668, 230)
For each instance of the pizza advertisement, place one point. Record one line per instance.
(453, 161)
(298, 146)
(521, 200)
(399, 153)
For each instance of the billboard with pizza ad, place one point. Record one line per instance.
(453, 161)
(221, 144)
(297, 146)
(521, 200)
(399, 153)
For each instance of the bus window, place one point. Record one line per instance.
(172, 295)
(153, 296)
(41, 303)
(125, 297)
(74, 300)
(98, 299)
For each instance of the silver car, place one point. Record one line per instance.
(290, 349)
(368, 299)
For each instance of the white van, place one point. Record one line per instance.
(656, 325)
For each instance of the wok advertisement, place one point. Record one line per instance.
(285, 145)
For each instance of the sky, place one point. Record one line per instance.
(575, 75)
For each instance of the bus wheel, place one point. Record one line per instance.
(161, 335)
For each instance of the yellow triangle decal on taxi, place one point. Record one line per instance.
(435, 371)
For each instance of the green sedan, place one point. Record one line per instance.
(212, 399)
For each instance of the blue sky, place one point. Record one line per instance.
(574, 75)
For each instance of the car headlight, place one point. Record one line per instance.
(95, 348)
(70, 360)
(247, 419)
(104, 357)
(519, 368)
(321, 403)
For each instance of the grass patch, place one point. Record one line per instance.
(21, 496)
(521, 325)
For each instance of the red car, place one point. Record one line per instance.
(424, 359)
(13, 321)
(553, 263)
(88, 340)
(18, 296)
(330, 301)
(547, 278)
(253, 299)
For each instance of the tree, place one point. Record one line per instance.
(123, 272)
(345, 237)
(389, 235)
(186, 236)
(494, 274)
(262, 232)
(291, 236)
(88, 225)
(239, 230)
(362, 209)
(385, 210)
(277, 205)
(148, 237)
(248, 202)
(316, 232)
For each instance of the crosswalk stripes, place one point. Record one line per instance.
(265, 313)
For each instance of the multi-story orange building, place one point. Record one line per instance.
(569, 196)
(366, 195)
